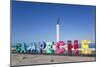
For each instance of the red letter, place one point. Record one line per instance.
(59, 48)
(76, 47)
(70, 47)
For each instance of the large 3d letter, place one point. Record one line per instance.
(31, 48)
(70, 47)
(85, 47)
(49, 47)
(76, 47)
(21, 48)
(18, 47)
(59, 49)
(41, 46)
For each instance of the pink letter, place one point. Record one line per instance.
(59, 48)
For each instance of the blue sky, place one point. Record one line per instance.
(33, 22)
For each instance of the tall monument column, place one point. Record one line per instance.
(57, 30)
